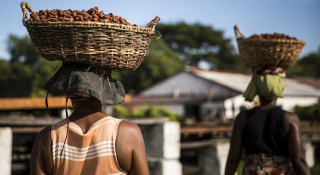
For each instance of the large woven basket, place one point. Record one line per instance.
(105, 45)
(258, 52)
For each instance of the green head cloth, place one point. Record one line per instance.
(268, 85)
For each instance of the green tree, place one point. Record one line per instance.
(307, 66)
(16, 79)
(25, 75)
(159, 63)
(309, 113)
(42, 73)
(144, 112)
(196, 43)
(21, 80)
(22, 50)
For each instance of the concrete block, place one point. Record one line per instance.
(171, 145)
(164, 167)
(171, 167)
(212, 159)
(162, 140)
(5, 150)
(222, 151)
(309, 153)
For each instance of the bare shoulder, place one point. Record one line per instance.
(291, 117)
(44, 135)
(128, 125)
(291, 120)
(45, 131)
(241, 114)
(240, 119)
(129, 129)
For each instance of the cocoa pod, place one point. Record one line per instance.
(69, 15)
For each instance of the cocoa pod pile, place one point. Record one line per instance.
(92, 15)
(272, 36)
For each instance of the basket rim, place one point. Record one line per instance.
(88, 24)
(270, 40)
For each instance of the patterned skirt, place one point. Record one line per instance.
(264, 164)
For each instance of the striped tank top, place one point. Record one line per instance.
(87, 153)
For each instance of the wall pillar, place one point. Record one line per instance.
(309, 153)
(212, 159)
(223, 151)
(163, 148)
(5, 150)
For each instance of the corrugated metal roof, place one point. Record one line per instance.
(197, 81)
(189, 84)
(239, 82)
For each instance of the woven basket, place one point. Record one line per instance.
(104, 45)
(256, 52)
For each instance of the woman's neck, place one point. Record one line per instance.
(85, 108)
(86, 114)
(265, 104)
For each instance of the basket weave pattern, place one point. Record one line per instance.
(105, 45)
(269, 52)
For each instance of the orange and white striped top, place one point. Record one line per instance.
(92, 152)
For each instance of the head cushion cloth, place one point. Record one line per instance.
(266, 82)
(80, 78)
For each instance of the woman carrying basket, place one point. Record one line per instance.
(269, 136)
(90, 142)
(90, 44)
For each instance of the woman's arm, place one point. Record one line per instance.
(130, 149)
(41, 158)
(295, 147)
(235, 151)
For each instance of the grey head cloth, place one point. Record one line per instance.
(81, 78)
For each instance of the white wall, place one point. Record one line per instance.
(287, 104)
(235, 103)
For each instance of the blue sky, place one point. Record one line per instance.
(297, 18)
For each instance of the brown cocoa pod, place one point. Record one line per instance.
(70, 19)
(37, 18)
(74, 14)
(32, 15)
(92, 14)
(106, 20)
(95, 16)
(90, 10)
(54, 19)
(96, 9)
